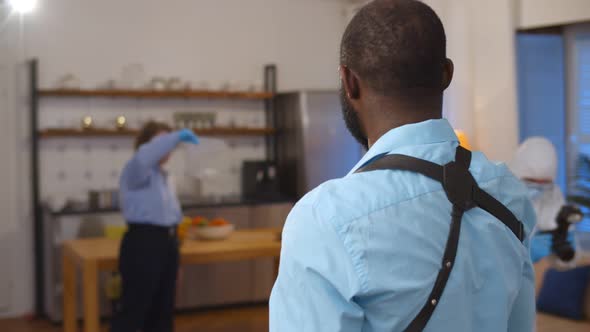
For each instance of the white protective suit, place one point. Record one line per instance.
(536, 159)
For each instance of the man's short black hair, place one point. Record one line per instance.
(398, 47)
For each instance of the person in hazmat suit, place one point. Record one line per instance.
(535, 163)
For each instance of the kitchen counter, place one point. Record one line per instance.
(99, 254)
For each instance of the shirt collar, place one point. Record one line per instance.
(427, 132)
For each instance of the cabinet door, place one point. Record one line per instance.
(264, 270)
(219, 283)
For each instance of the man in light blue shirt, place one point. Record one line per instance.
(362, 253)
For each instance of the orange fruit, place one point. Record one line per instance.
(218, 222)
(200, 221)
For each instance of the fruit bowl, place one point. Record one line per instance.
(213, 232)
(216, 229)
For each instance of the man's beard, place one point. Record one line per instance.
(352, 120)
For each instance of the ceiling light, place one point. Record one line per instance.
(23, 6)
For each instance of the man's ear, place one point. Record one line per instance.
(350, 82)
(448, 71)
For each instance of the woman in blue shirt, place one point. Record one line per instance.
(149, 256)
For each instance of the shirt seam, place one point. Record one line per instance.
(362, 274)
(393, 151)
(412, 198)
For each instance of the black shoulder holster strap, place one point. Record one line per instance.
(464, 193)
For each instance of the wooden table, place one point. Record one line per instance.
(101, 254)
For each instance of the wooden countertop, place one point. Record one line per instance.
(242, 244)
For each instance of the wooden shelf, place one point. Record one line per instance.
(193, 94)
(64, 133)
(235, 132)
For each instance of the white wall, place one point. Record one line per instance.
(206, 40)
(494, 78)
(482, 98)
(541, 13)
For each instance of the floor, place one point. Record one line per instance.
(547, 323)
(252, 319)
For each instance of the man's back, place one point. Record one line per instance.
(362, 253)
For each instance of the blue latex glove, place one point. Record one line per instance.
(188, 136)
(540, 246)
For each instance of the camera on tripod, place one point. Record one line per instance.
(561, 246)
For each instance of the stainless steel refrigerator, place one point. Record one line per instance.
(314, 144)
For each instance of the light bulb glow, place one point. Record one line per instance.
(23, 6)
